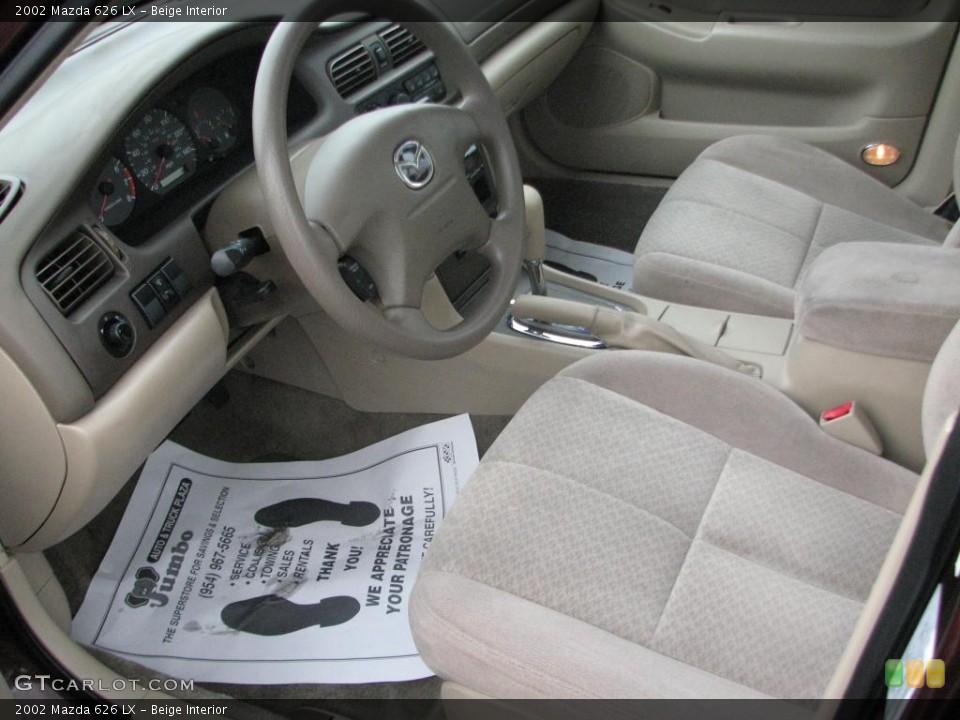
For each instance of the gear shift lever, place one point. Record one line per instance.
(534, 240)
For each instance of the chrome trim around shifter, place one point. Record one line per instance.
(551, 332)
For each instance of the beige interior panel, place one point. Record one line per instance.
(105, 447)
(652, 96)
(248, 340)
(932, 176)
(819, 377)
(34, 463)
(287, 356)
(47, 588)
(756, 334)
(70, 656)
(523, 69)
(699, 323)
(494, 378)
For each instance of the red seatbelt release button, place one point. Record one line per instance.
(837, 412)
(850, 423)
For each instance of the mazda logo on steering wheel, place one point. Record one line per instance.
(413, 164)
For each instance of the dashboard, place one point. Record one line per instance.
(113, 324)
(126, 254)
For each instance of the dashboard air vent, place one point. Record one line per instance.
(73, 271)
(352, 70)
(401, 44)
(10, 191)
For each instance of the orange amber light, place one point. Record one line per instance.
(880, 154)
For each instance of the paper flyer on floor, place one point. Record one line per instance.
(267, 573)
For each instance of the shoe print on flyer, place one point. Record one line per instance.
(297, 572)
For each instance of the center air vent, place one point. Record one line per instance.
(10, 190)
(352, 70)
(73, 271)
(401, 44)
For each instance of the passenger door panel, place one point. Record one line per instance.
(647, 97)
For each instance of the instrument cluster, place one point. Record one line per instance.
(190, 129)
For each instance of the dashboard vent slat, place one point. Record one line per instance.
(10, 191)
(352, 70)
(401, 44)
(73, 271)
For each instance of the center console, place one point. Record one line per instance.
(572, 308)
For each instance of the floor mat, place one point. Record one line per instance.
(267, 573)
(607, 266)
(263, 421)
(609, 214)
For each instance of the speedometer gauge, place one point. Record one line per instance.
(160, 150)
(114, 194)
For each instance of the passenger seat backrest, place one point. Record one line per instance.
(941, 397)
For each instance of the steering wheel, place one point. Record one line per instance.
(389, 189)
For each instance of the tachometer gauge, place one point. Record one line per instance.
(161, 151)
(213, 119)
(114, 194)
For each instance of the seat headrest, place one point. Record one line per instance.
(941, 397)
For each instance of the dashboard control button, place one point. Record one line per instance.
(164, 290)
(148, 304)
(117, 334)
(177, 277)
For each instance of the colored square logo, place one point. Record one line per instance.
(914, 672)
(936, 674)
(893, 673)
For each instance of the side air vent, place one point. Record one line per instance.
(10, 191)
(352, 70)
(73, 271)
(401, 44)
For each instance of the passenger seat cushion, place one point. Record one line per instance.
(504, 646)
(606, 515)
(747, 414)
(741, 225)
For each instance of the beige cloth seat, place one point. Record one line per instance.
(742, 224)
(652, 526)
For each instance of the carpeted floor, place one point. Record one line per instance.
(266, 421)
(610, 214)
